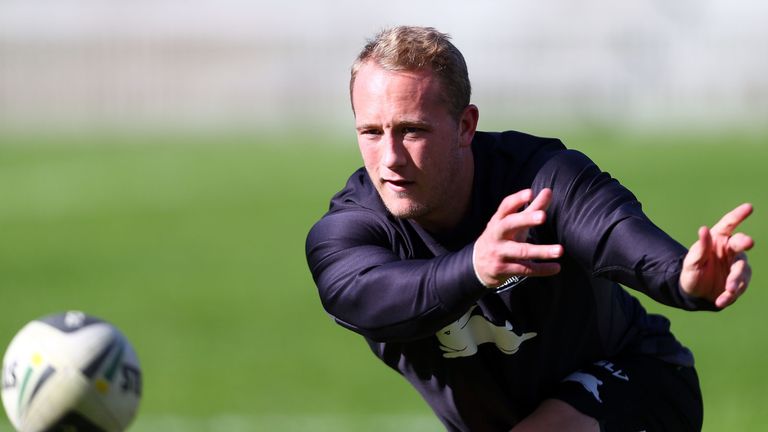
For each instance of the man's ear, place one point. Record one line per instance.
(468, 125)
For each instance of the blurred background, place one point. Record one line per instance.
(162, 161)
(200, 64)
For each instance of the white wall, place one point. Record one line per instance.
(238, 63)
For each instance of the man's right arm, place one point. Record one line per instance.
(370, 289)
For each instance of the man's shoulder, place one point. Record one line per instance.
(510, 161)
(515, 143)
(526, 152)
(514, 150)
(358, 194)
(357, 207)
(356, 216)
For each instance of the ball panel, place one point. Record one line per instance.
(116, 384)
(61, 391)
(70, 321)
(25, 363)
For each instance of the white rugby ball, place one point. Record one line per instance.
(70, 372)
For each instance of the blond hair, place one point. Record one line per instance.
(406, 48)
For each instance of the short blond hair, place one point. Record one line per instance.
(407, 48)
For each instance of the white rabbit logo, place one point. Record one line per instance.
(461, 338)
(589, 382)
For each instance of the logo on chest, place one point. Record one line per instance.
(461, 338)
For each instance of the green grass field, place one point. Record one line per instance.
(195, 249)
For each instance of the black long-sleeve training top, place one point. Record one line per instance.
(484, 359)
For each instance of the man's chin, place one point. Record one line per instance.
(405, 208)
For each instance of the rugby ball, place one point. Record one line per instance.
(70, 372)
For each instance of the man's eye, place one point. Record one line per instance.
(370, 132)
(412, 130)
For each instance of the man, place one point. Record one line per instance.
(484, 267)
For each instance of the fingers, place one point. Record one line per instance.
(527, 259)
(514, 251)
(736, 283)
(699, 251)
(542, 200)
(739, 276)
(515, 226)
(728, 223)
(739, 243)
(510, 258)
(716, 265)
(513, 223)
(725, 299)
(502, 250)
(704, 247)
(515, 202)
(531, 268)
(493, 276)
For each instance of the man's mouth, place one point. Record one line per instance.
(397, 185)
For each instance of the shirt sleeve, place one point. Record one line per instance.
(602, 226)
(366, 286)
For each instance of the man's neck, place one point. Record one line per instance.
(460, 201)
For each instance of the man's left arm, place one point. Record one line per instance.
(602, 226)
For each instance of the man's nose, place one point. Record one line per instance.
(394, 153)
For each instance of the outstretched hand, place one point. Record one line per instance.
(501, 250)
(716, 267)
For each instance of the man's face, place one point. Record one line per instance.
(412, 147)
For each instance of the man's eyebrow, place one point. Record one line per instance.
(398, 124)
(366, 126)
(414, 123)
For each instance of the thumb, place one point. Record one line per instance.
(699, 251)
(695, 260)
